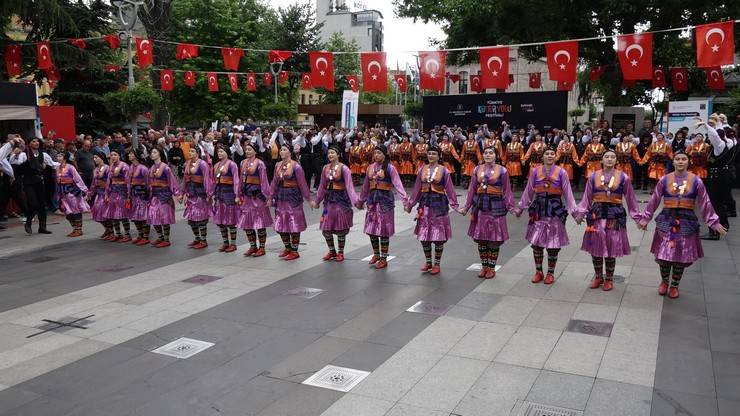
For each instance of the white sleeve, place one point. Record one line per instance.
(237, 148)
(209, 147)
(5, 150)
(49, 161)
(316, 139)
(18, 159)
(718, 145)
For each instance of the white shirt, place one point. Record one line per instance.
(5, 167)
(22, 157)
(718, 145)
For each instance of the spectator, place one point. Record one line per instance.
(83, 159)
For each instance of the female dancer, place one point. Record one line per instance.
(420, 150)
(138, 196)
(543, 197)
(255, 214)
(407, 152)
(513, 159)
(676, 244)
(227, 199)
(471, 157)
(592, 157)
(626, 155)
(287, 191)
(71, 192)
(534, 153)
(355, 160)
(566, 156)
(698, 153)
(606, 235)
(489, 194)
(380, 181)
(97, 194)
(338, 194)
(435, 194)
(162, 187)
(657, 157)
(197, 191)
(116, 198)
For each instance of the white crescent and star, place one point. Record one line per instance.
(497, 60)
(211, 79)
(632, 47)
(44, 55)
(476, 80)
(679, 76)
(432, 62)
(144, 45)
(167, 78)
(326, 65)
(714, 74)
(306, 79)
(564, 53)
(710, 32)
(370, 66)
(658, 73)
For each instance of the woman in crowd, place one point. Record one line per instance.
(407, 156)
(471, 157)
(355, 160)
(337, 193)
(489, 195)
(116, 198)
(377, 190)
(626, 155)
(197, 192)
(592, 157)
(138, 196)
(435, 193)
(606, 234)
(71, 192)
(227, 199)
(255, 214)
(288, 191)
(534, 153)
(698, 152)
(420, 150)
(566, 156)
(657, 156)
(513, 159)
(546, 188)
(97, 194)
(676, 244)
(162, 188)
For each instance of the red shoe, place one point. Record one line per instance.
(200, 245)
(608, 285)
(113, 239)
(259, 253)
(340, 257)
(427, 267)
(104, 236)
(155, 242)
(595, 283)
(223, 247)
(284, 253)
(250, 252)
(549, 279)
(110, 237)
(292, 256)
(373, 260)
(673, 292)
(230, 248)
(163, 244)
(491, 273)
(329, 256)
(381, 264)
(124, 239)
(192, 243)
(75, 233)
(663, 288)
(537, 277)
(483, 271)
(143, 242)
(135, 240)
(435, 270)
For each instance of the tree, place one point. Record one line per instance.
(344, 64)
(129, 103)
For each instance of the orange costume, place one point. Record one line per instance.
(566, 156)
(367, 152)
(470, 156)
(448, 153)
(407, 156)
(592, 157)
(699, 158)
(513, 158)
(626, 153)
(394, 155)
(355, 160)
(421, 155)
(534, 155)
(658, 154)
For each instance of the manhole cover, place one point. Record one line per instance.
(42, 259)
(389, 258)
(475, 267)
(336, 378)
(202, 279)
(114, 268)
(524, 408)
(429, 308)
(183, 348)
(602, 329)
(305, 292)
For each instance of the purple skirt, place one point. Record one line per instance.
(224, 214)
(197, 209)
(289, 219)
(606, 242)
(99, 209)
(71, 204)
(160, 213)
(254, 214)
(115, 209)
(139, 209)
(679, 248)
(378, 222)
(433, 228)
(337, 218)
(548, 232)
(486, 227)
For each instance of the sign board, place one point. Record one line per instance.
(350, 102)
(684, 113)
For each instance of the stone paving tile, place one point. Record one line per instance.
(502, 284)
(401, 329)
(727, 375)
(595, 312)
(302, 401)
(356, 405)
(610, 398)
(402, 409)
(511, 310)
(666, 402)
(578, 354)
(550, 314)
(365, 356)
(484, 341)
(497, 390)
(441, 335)
(562, 390)
(724, 334)
(529, 347)
(314, 357)
(684, 331)
(728, 407)
(686, 370)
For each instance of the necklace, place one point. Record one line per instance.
(333, 171)
(681, 189)
(432, 174)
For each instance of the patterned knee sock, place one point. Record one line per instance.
(108, 224)
(146, 228)
(295, 240)
(232, 233)
(224, 234)
(677, 274)
(610, 263)
(139, 233)
(70, 221)
(384, 243)
(438, 249)
(598, 267)
(375, 242)
(166, 232)
(126, 228)
(427, 247)
(286, 240)
(483, 253)
(329, 237)
(160, 232)
(552, 259)
(262, 236)
(539, 254)
(665, 271)
(493, 250)
(117, 228)
(252, 238)
(203, 228)
(195, 229)
(341, 240)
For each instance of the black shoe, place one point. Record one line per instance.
(44, 231)
(711, 236)
(29, 231)
(732, 214)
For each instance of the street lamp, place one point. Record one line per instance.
(129, 9)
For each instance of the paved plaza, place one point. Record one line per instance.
(80, 321)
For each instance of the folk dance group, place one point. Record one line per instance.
(240, 197)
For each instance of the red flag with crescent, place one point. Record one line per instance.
(52, 74)
(278, 56)
(374, 71)
(189, 78)
(635, 53)
(475, 83)
(562, 59)
(400, 81)
(715, 44)
(166, 79)
(251, 82)
(715, 78)
(44, 55)
(432, 70)
(233, 82)
(212, 81)
(13, 60)
(564, 85)
(352, 81)
(283, 77)
(144, 52)
(232, 56)
(80, 43)
(113, 41)
(186, 51)
(267, 79)
(659, 77)
(680, 79)
(322, 69)
(535, 80)
(112, 68)
(494, 67)
(306, 81)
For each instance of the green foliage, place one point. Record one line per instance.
(344, 64)
(576, 112)
(131, 102)
(413, 110)
(732, 108)
(279, 112)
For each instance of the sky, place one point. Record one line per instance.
(400, 34)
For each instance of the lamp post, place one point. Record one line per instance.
(130, 9)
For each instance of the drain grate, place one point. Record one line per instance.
(475, 267)
(305, 292)
(114, 268)
(336, 378)
(183, 348)
(201, 279)
(618, 278)
(601, 329)
(42, 259)
(524, 408)
(429, 308)
(62, 325)
(389, 258)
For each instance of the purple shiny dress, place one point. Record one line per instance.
(255, 214)
(543, 197)
(116, 192)
(435, 194)
(606, 218)
(676, 237)
(162, 188)
(197, 186)
(71, 190)
(225, 209)
(97, 190)
(489, 196)
(138, 191)
(288, 191)
(337, 193)
(377, 191)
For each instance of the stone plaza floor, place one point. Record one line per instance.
(257, 330)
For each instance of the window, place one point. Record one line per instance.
(310, 98)
(462, 87)
(303, 98)
(447, 86)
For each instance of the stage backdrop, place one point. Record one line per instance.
(546, 109)
(59, 119)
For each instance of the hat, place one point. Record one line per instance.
(101, 155)
(433, 149)
(335, 148)
(383, 149)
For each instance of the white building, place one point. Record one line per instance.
(357, 23)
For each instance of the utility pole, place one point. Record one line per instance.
(129, 8)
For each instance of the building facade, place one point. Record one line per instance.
(364, 26)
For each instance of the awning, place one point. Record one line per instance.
(17, 112)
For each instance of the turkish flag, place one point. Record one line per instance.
(13, 60)
(189, 78)
(278, 56)
(112, 68)
(511, 79)
(113, 41)
(186, 51)
(562, 59)
(212, 81)
(659, 77)
(52, 74)
(715, 44)
(306, 81)
(233, 81)
(144, 52)
(374, 71)
(44, 55)
(635, 53)
(596, 72)
(166, 79)
(494, 67)
(322, 69)
(680, 79)
(475, 83)
(232, 57)
(283, 77)
(251, 82)
(267, 79)
(453, 77)
(715, 78)
(432, 70)
(352, 81)
(80, 43)
(400, 81)
(564, 85)
(535, 80)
